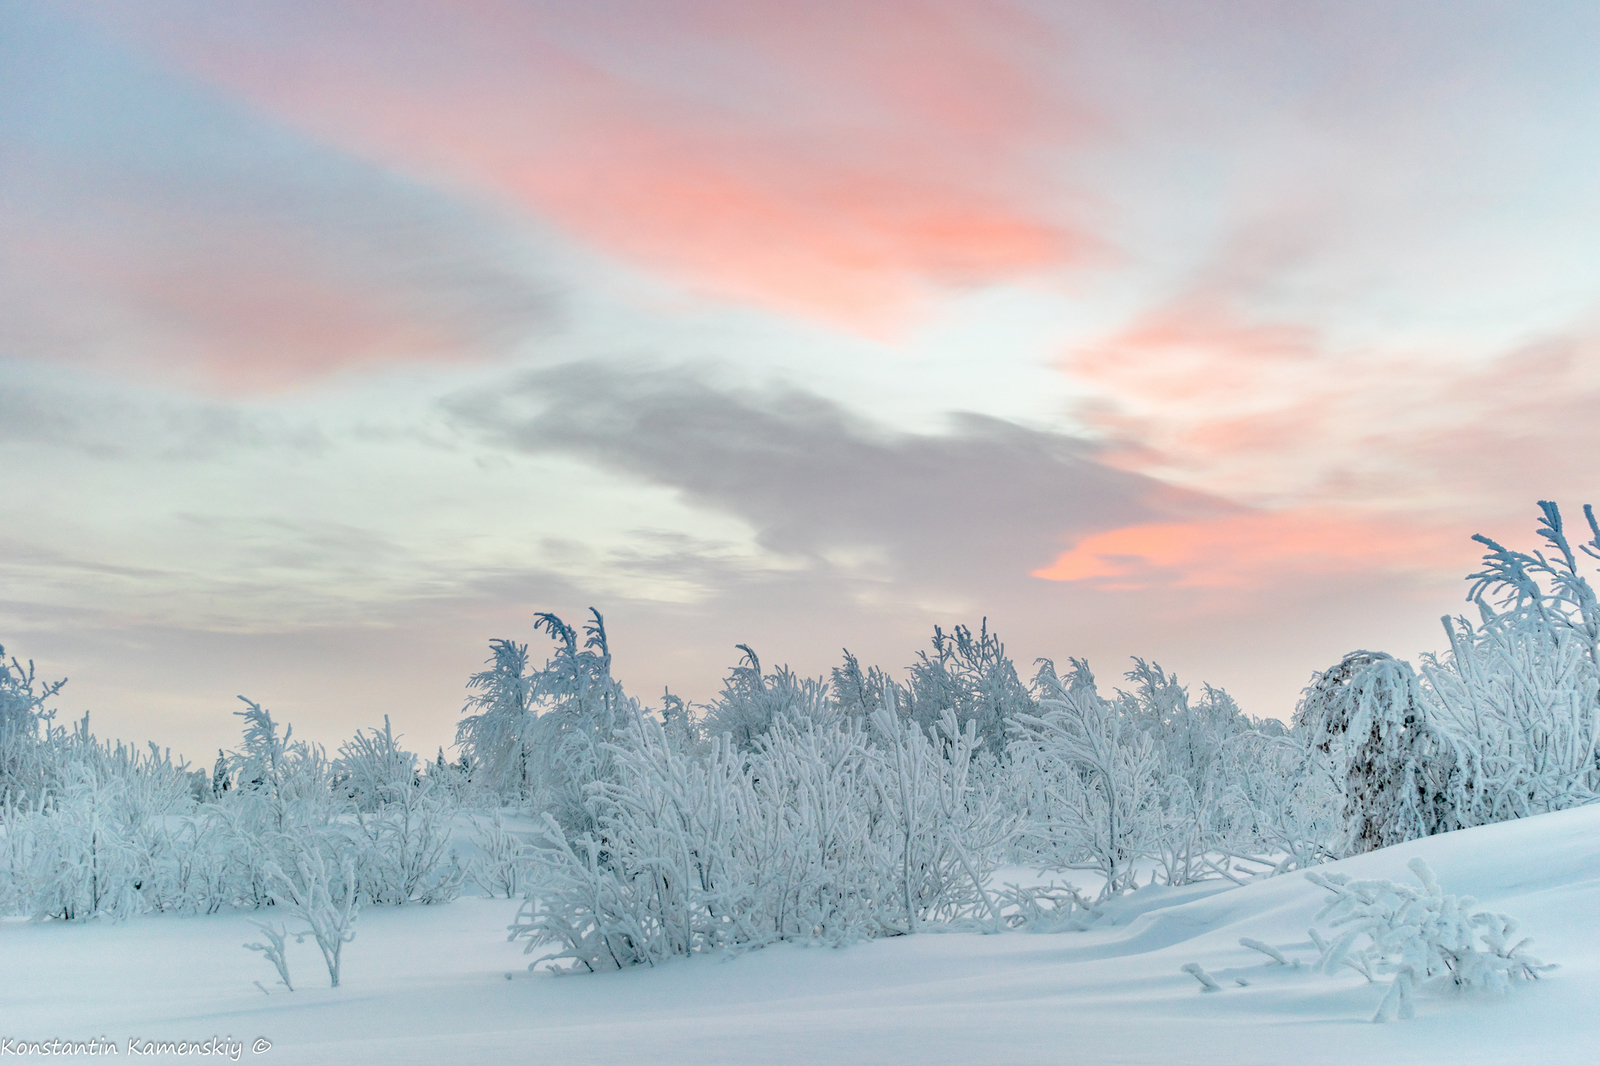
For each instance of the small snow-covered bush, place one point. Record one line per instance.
(971, 677)
(69, 857)
(274, 951)
(1104, 784)
(29, 745)
(1045, 908)
(1280, 802)
(1418, 932)
(315, 888)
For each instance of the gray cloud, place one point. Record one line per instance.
(986, 499)
(95, 421)
(29, 416)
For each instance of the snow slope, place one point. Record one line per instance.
(428, 984)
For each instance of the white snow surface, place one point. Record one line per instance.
(429, 984)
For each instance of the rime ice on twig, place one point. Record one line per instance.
(1207, 982)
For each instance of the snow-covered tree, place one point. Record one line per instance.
(1402, 777)
(498, 740)
(29, 747)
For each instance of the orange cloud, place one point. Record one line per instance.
(826, 158)
(1255, 549)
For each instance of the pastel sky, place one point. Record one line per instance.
(338, 337)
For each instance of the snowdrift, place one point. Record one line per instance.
(430, 984)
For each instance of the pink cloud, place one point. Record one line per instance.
(1352, 456)
(232, 304)
(1242, 384)
(828, 159)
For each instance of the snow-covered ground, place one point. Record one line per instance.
(429, 984)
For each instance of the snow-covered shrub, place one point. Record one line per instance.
(1564, 600)
(1198, 814)
(280, 783)
(1522, 702)
(945, 826)
(1089, 778)
(372, 770)
(401, 837)
(542, 737)
(455, 778)
(1416, 933)
(727, 850)
(315, 887)
(1520, 691)
(500, 867)
(273, 951)
(70, 856)
(751, 701)
(403, 855)
(834, 831)
(199, 863)
(857, 692)
(1048, 908)
(88, 842)
(1106, 783)
(29, 746)
(970, 676)
(1281, 803)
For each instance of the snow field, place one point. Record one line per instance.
(428, 984)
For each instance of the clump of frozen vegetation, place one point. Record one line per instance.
(1505, 725)
(543, 737)
(100, 830)
(832, 832)
(1408, 933)
(1415, 933)
(830, 810)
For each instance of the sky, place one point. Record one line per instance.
(338, 338)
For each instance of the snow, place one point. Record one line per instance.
(428, 984)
